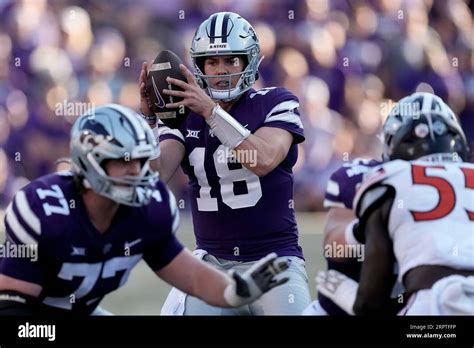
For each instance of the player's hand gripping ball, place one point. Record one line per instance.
(165, 64)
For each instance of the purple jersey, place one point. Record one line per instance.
(343, 184)
(236, 214)
(340, 193)
(76, 264)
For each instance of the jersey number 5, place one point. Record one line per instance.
(447, 195)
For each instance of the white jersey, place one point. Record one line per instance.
(431, 221)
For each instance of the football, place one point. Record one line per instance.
(165, 64)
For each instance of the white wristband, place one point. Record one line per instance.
(349, 233)
(226, 128)
(157, 145)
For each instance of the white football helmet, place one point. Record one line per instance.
(114, 132)
(222, 34)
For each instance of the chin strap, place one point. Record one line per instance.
(226, 128)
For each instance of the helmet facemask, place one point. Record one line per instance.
(247, 78)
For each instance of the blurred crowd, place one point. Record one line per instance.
(347, 60)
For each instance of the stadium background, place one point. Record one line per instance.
(347, 60)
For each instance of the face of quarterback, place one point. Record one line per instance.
(222, 65)
(121, 167)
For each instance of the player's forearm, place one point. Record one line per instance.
(260, 152)
(194, 277)
(373, 294)
(210, 286)
(258, 156)
(339, 229)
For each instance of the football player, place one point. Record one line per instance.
(416, 211)
(237, 146)
(341, 226)
(86, 229)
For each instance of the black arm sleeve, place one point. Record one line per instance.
(377, 278)
(14, 303)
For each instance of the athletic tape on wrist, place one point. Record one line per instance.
(226, 128)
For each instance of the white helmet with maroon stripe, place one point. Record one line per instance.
(223, 34)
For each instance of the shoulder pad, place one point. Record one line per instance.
(343, 182)
(163, 211)
(273, 95)
(374, 188)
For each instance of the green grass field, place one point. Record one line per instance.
(144, 293)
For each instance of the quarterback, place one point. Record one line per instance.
(242, 210)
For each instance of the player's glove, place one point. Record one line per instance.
(256, 281)
(339, 288)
